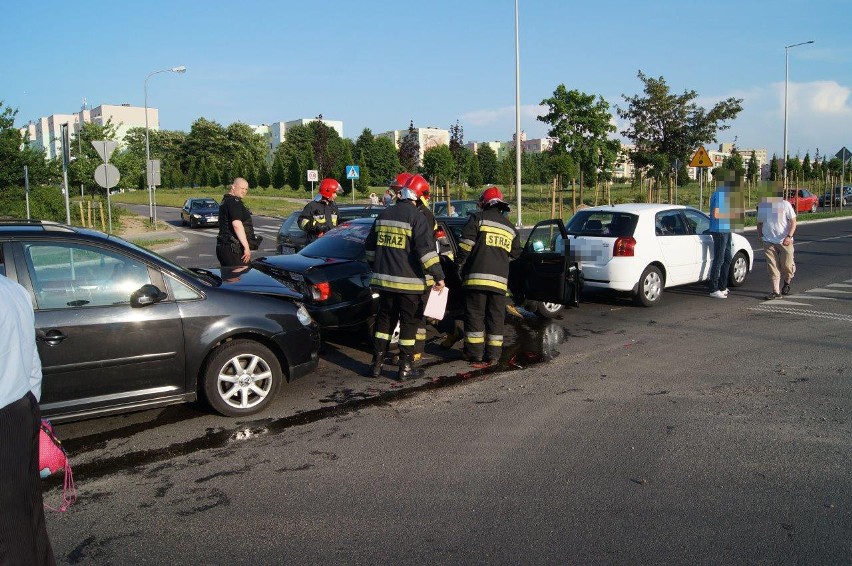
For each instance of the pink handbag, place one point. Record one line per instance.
(52, 458)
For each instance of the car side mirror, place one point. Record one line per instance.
(146, 295)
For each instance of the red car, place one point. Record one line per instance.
(802, 200)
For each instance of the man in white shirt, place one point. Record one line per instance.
(23, 533)
(776, 224)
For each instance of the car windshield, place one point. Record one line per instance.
(461, 208)
(604, 223)
(344, 242)
(205, 205)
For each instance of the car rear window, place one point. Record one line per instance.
(602, 223)
(344, 242)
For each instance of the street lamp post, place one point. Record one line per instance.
(786, 49)
(517, 117)
(148, 178)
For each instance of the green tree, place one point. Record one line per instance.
(263, 178)
(487, 163)
(362, 152)
(206, 139)
(439, 165)
(385, 164)
(665, 126)
(294, 174)
(752, 170)
(794, 169)
(279, 178)
(474, 175)
(243, 139)
(773, 168)
(457, 148)
(807, 169)
(409, 150)
(580, 124)
(734, 162)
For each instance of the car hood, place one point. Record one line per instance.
(251, 280)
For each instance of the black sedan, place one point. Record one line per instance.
(291, 238)
(199, 212)
(333, 276)
(120, 328)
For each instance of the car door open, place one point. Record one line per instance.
(546, 271)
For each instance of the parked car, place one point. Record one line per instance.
(643, 248)
(834, 193)
(199, 212)
(120, 328)
(333, 276)
(291, 238)
(802, 200)
(461, 207)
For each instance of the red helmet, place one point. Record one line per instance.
(419, 185)
(490, 197)
(329, 188)
(400, 180)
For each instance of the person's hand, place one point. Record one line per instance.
(439, 286)
(246, 257)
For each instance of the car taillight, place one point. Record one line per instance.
(623, 247)
(439, 233)
(320, 291)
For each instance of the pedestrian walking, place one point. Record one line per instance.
(401, 251)
(720, 230)
(236, 238)
(488, 244)
(776, 225)
(23, 532)
(320, 215)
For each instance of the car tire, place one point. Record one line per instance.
(739, 270)
(193, 224)
(649, 291)
(232, 390)
(548, 310)
(182, 221)
(813, 207)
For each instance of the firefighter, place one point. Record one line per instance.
(320, 215)
(488, 243)
(401, 251)
(420, 187)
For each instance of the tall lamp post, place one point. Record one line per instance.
(517, 116)
(786, 49)
(148, 178)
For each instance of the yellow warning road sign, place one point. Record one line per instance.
(701, 159)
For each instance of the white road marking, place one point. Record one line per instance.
(845, 285)
(812, 297)
(787, 302)
(820, 290)
(805, 313)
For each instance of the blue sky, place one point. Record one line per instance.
(379, 64)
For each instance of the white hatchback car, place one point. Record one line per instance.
(644, 248)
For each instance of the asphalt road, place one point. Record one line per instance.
(702, 430)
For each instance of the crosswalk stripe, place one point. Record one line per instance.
(829, 291)
(805, 313)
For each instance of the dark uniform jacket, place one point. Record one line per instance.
(317, 218)
(401, 250)
(488, 243)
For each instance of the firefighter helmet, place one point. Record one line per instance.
(490, 197)
(419, 185)
(329, 188)
(400, 180)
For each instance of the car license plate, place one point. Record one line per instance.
(287, 250)
(212, 219)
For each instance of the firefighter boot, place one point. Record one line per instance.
(376, 367)
(407, 369)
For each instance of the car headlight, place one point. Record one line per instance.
(304, 316)
(195, 215)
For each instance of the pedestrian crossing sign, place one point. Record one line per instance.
(701, 159)
(353, 172)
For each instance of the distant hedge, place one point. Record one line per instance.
(46, 203)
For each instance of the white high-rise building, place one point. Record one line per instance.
(428, 138)
(46, 132)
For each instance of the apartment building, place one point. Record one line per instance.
(276, 132)
(46, 132)
(502, 149)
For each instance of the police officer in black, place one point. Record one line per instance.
(235, 227)
(488, 244)
(401, 250)
(320, 215)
